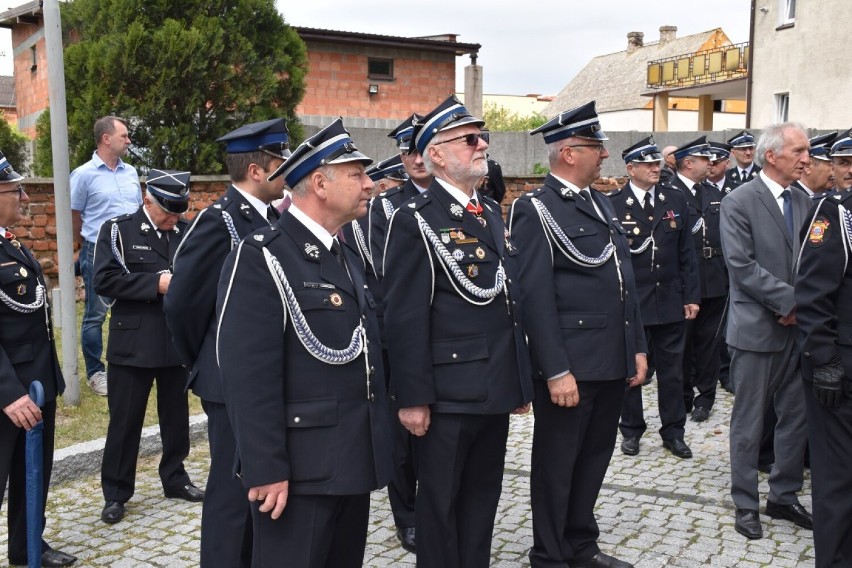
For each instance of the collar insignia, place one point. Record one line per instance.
(629, 201)
(145, 227)
(456, 210)
(258, 238)
(312, 251)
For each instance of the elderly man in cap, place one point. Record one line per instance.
(459, 362)
(308, 407)
(663, 257)
(760, 237)
(718, 168)
(254, 151)
(701, 358)
(841, 162)
(824, 299)
(818, 178)
(133, 263)
(585, 335)
(27, 353)
(744, 169)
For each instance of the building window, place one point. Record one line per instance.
(787, 12)
(782, 107)
(380, 68)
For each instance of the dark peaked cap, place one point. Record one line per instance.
(388, 168)
(581, 121)
(170, 188)
(331, 145)
(643, 151)
(698, 147)
(7, 172)
(403, 133)
(821, 146)
(742, 140)
(449, 114)
(843, 145)
(269, 136)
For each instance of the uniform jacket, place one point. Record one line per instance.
(733, 178)
(761, 259)
(323, 427)
(666, 279)
(445, 351)
(704, 208)
(138, 335)
(578, 319)
(355, 236)
(381, 209)
(823, 288)
(27, 351)
(190, 303)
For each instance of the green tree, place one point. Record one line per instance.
(499, 118)
(42, 151)
(182, 73)
(13, 144)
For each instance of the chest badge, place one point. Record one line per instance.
(472, 271)
(23, 272)
(335, 299)
(458, 254)
(22, 289)
(479, 252)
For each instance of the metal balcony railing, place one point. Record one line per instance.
(700, 68)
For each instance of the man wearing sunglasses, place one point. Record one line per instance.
(254, 151)
(133, 266)
(458, 358)
(103, 188)
(27, 353)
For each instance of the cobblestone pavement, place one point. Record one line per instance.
(654, 510)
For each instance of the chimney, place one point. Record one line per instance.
(634, 41)
(667, 33)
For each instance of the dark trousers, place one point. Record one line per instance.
(666, 342)
(460, 467)
(402, 488)
(226, 527)
(830, 438)
(314, 531)
(128, 389)
(701, 359)
(13, 470)
(571, 451)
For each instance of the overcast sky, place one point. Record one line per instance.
(528, 46)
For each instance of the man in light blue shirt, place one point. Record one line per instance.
(102, 188)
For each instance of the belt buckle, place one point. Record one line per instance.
(707, 252)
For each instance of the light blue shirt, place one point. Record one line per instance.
(99, 193)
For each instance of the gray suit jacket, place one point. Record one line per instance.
(761, 258)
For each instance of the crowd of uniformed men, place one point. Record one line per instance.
(350, 328)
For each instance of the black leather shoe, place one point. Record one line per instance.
(795, 512)
(601, 560)
(678, 448)
(113, 512)
(630, 446)
(50, 558)
(406, 538)
(700, 414)
(747, 523)
(188, 492)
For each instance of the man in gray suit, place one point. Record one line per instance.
(760, 225)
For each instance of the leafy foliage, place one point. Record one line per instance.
(43, 152)
(499, 118)
(182, 73)
(13, 144)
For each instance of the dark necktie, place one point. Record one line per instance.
(788, 212)
(695, 189)
(743, 175)
(270, 214)
(338, 255)
(649, 209)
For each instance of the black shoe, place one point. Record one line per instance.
(747, 523)
(188, 492)
(601, 560)
(630, 446)
(795, 513)
(406, 538)
(50, 558)
(678, 448)
(113, 512)
(700, 414)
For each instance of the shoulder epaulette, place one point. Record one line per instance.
(392, 191)
(415, 203)
(532, 193)
(121, 218)
(618, 192)
(263, 236)
(490, 200)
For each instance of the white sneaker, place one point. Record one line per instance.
(98, 383)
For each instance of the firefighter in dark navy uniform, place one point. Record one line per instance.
(27, 353)
(133, 261)
(254, 151)
(818, 178)
(663, 257)
(823, 291)
(585, 335)
(744, 168)
(298, 347)
(459, 362)
(701, 356)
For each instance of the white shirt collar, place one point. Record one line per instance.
(687, 182)
(315, 228)
(456, 193)
(808, 190)
(773, 186)
(153, 224)
(418, 188)
(640, 194)
(568, 184)
(254, 201)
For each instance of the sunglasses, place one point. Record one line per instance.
(471, 140)
(20, 191)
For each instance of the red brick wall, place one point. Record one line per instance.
(31, 86)
(337, 82)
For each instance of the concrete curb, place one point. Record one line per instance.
(84, 459)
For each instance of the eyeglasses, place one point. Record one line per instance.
(598, 147)
(471, 140)
(19, 190)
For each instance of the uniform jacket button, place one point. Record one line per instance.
(455, 355)
(296, 420)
